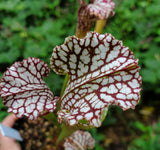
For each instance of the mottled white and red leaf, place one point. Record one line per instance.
(79, 140)
(23, 90)
(101, 9)
(102, 72)
(89, 13)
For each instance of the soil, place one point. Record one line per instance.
(41, 134)
(36, 134)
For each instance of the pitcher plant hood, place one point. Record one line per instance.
(23, 90)
(102, 72)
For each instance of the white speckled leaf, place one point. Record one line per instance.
(102, 9)
(79, 140)
(23, 90)
(88, 101)
(89, 13)
(102, 72)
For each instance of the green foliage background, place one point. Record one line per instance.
(32, 28)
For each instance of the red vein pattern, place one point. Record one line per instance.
(89, 13)
(23, 90)
(102, 72)
(79, 140)
(102, 9)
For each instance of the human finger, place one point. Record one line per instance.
(9, 120)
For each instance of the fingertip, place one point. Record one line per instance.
(14, 117)
(9, 120)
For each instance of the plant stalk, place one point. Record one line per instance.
(64, 84)
(65, 132)
(100, 25)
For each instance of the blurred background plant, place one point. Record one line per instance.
(150, 138)
(33, 28)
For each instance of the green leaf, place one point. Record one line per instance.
(98, 147)
(83, 121)
(153, 9)
(35, 49)
(104, 113)
(142, 127)
(3, 114)
(152, 63)
(9, 5)
(96, 135)
(148, 76)
(149, 139)
(10, 56)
